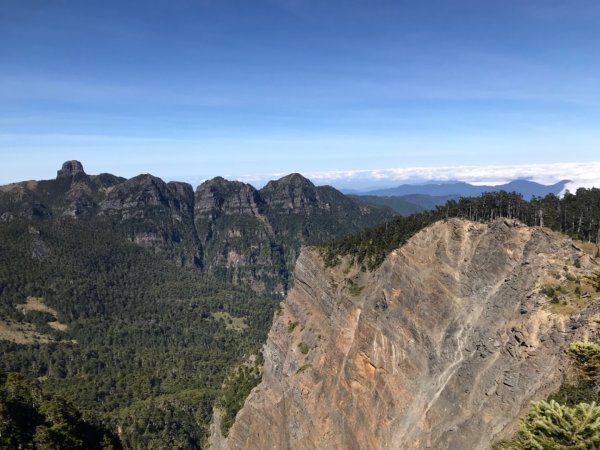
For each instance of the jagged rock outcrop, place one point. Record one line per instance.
(442, 347)
(70, 169)
(72, 194)
(219, 196)
(304, 214)
(292, 193)
(239, 242)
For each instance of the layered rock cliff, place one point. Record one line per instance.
(442, 347)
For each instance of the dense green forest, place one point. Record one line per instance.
(577, 215)
(145, 352)
(31, 419)
(140, 302)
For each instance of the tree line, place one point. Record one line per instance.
(577, 215)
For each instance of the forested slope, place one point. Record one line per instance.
(577, 215)
(142, 349)
(135, 300)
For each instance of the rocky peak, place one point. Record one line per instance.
(106, 180)
(138, 192)
(227, 197)
(156, 215)
(70, 169)
(293, 180)
(292, 192)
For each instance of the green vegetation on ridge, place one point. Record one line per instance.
(577, 215)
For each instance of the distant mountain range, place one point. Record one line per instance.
(407, 204)
(526, 188)
(413, 198)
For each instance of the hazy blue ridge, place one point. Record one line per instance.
(527, 189)
(408, 204)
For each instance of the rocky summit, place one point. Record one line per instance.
(70, 169)
(442, 347)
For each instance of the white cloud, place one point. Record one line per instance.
(585, 174)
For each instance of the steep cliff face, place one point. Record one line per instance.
(239, 243)
(442, 347)
(255, 236)
(156, 215)
(70, 169)
(292, 193)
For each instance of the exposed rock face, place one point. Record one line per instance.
(292, 193)
(256, 235)
(220, 196)
(156, 215)
(72, 194)
(236, 234)
(135, 196)
(444, 347)
(304, 214)
(70, 169)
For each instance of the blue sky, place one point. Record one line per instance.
(191, 89)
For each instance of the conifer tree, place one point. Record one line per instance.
(551, 426)
(586, 358)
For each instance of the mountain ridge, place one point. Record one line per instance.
(181, 223)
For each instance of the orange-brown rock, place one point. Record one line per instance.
(444, 347)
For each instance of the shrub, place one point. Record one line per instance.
(550, 292)
(303, 348)
(572, 394)
(355, 288)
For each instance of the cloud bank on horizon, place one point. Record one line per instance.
(582, 174)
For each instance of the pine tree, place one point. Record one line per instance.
(586, 358)
(551, 426)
